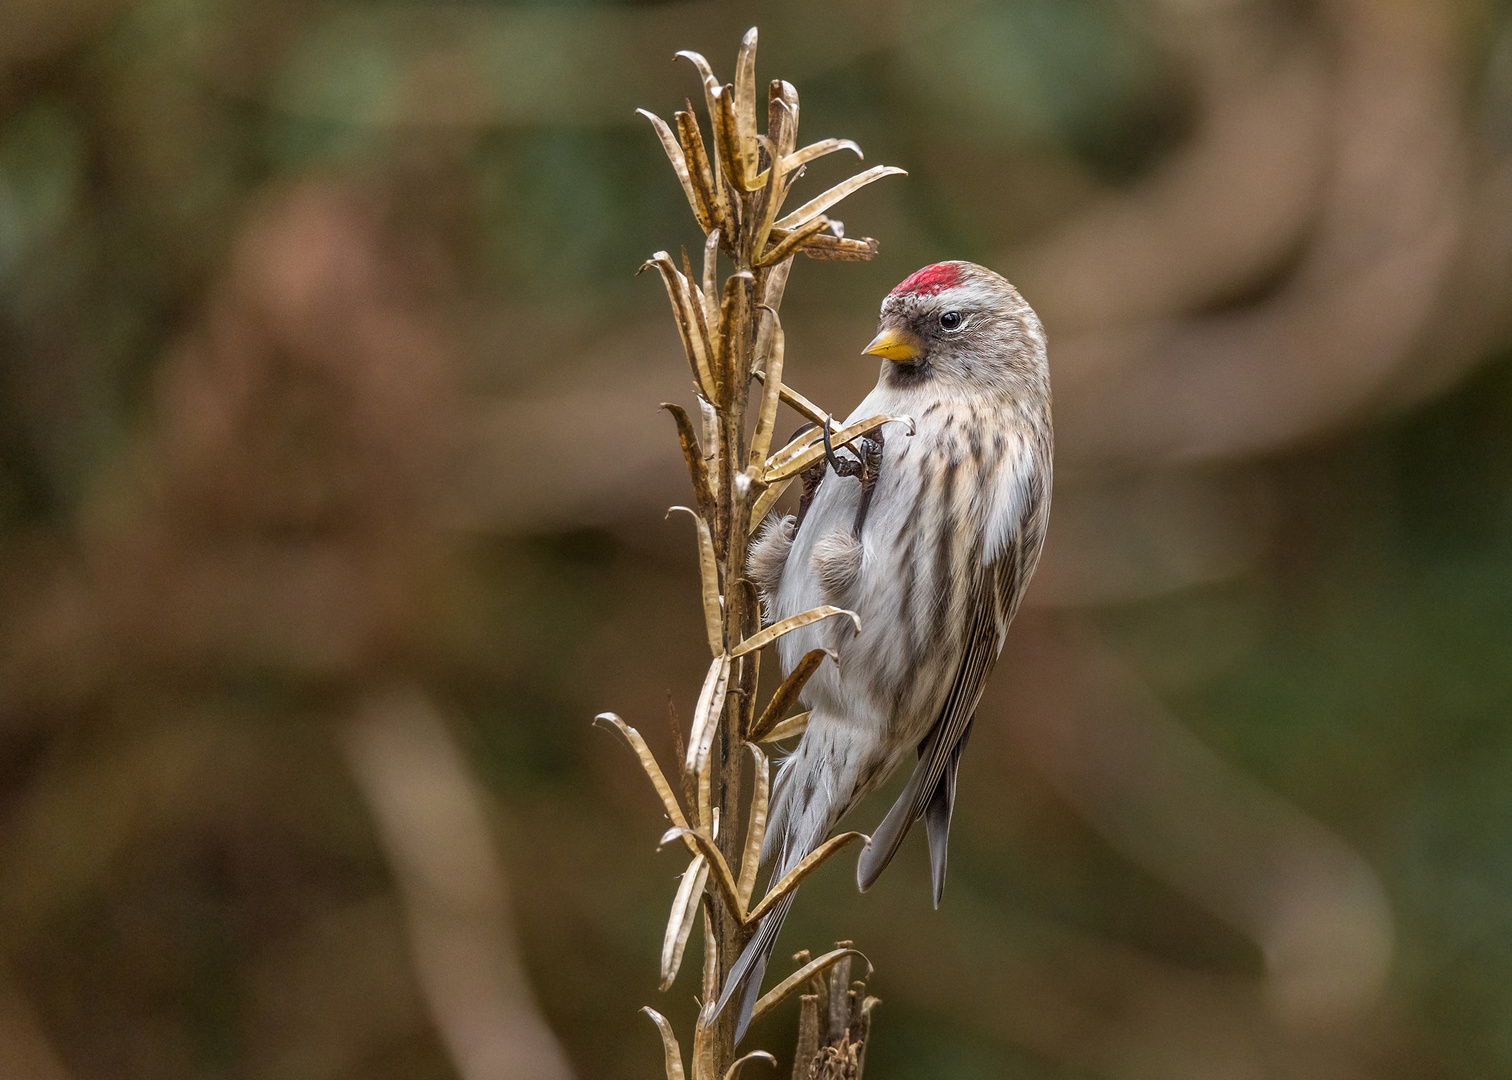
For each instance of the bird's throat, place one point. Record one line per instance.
(900, 375)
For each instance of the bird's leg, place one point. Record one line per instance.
(842, 466)
(871, 469)
(810, 478)
(866, 467)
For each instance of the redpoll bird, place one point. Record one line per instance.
(931, 540)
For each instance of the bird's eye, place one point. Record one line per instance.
(951, 320)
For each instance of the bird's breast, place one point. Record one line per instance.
(921, 549)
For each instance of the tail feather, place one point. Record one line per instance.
(800, 817)
(750, 969)
(935, 807)
(889, 835)
(937, 824)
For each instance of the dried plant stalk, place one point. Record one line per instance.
(736, 181)
(795, 876)
(790, 728)
(810, 970)
(785, 695)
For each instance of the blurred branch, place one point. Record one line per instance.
(1350, 174)
(431, 822)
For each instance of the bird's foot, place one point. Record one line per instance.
(843, 466)
(867, 466)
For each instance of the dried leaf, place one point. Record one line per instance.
(705, 72)
(721, 870)
(819, 205)
(710, 275)
(761, 787)
(744, 106)
(768, 327)
(701, 171)
(769, 336)
(800, 404)
(710, 417)
(840, 996)
(727, 138)
(791, 623)
(680, 922)
(808, 448)
(733, 1072)
(710, 88)
(838, 248)
(709, 571)
(710, 952)
(704, 799)
(775, 280)
(824, 246)
(694, 342)
(808, 1032)
(703, 1043)
(732, 327)
(782, 134)
(765, 503)
(793, 725)
(698, 470)
(860, 1032)
(786, 694)
(702, 303)
(768, 201)
(706, 714)
(784, 95)
(680, 166)
(794, 877)
(790, 242)
(670, 1048)
(680, 751)
(775, 996)
(649, 765)
(819, 150)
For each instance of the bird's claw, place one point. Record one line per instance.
(842, 466)
(867, 466)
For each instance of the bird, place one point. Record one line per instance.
(931, 539)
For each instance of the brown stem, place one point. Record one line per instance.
(739, 621)
(716, 175)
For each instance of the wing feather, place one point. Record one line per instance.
(994, 600)
(935, 752)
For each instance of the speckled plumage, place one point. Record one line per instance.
(950, 541)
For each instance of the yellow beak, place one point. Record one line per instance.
(895, 345)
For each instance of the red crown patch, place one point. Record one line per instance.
(930, 280)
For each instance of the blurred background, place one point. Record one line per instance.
(331, 510)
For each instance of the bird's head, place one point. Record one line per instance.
(962, 326)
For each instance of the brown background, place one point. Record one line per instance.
(331, 494)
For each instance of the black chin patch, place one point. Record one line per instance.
(909, 374)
